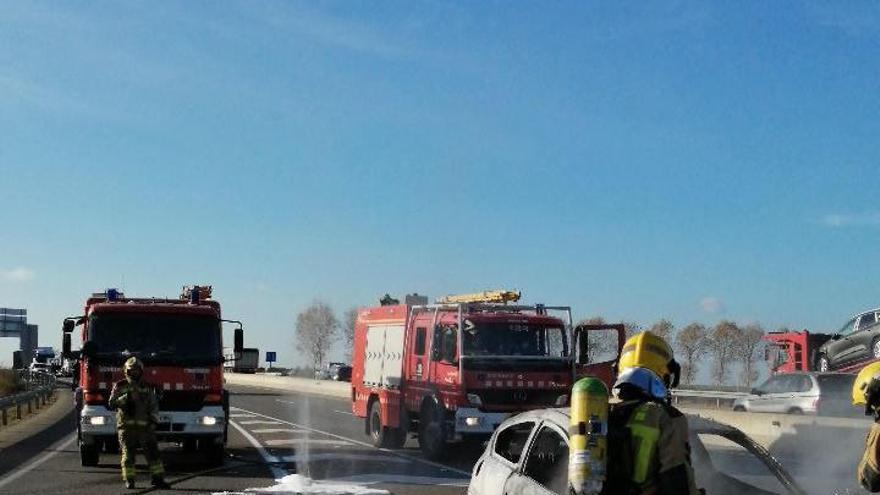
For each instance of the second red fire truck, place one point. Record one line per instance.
(454, 370)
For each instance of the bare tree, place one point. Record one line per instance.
(722, 344)
(631, 328)
(348, 321)
(690, 343)
(316, 330)
(663, 329)
(748, 345)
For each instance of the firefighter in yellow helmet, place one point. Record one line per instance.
(866, 392)
(137, 413)
(649, 451)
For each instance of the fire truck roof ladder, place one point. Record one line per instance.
(485, 297)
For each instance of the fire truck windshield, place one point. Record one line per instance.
(157, 337)
(514, 339)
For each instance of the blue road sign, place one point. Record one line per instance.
(270, 357)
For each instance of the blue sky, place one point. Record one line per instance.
(684, 160)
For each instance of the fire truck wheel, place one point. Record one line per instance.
(89, 454)
(383, 436)
(432, 437)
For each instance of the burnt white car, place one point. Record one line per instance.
(528, 454)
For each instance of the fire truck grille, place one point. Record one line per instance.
(517, 397)
(181, 401)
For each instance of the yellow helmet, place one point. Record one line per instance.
(132, 364)
(646, 350)
(860, 385)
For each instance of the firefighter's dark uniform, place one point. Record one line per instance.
(659, 450)
(137, 413)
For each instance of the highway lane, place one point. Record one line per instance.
(273, 434)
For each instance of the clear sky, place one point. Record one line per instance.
(693, 161)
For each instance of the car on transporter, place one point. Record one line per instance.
(528, 454)
(857, 340)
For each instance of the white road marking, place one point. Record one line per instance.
(326, 456)
(363, 444)
(286, 402)
(270, 459)
(304, 441)
(276, 430)
(53, 451)
(260, 422)
(349, 413)
(241, 415)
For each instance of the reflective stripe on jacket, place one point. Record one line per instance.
(659, 446)
(131, 412)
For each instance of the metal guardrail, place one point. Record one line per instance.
(40, 387)
(717, 397)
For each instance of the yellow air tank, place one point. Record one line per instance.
(588, 433)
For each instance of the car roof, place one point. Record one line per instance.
(561, 416)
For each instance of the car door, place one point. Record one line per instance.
(501, 459)
(760, 400)
(840, 348)
(545, 468)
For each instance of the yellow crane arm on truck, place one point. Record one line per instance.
(488, 296)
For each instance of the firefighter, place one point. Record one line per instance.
(649, 451)
(866, 392)
(137, 413)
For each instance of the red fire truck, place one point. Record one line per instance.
(181, 345)
(454, 370)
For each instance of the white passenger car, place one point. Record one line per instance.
(528, 454)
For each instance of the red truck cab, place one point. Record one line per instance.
(180, 343)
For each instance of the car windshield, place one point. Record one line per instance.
(157, 337)
(514, 339)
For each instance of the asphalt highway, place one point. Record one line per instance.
(271, 435)
(274, 434)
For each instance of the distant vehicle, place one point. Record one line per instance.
(339, 372)
(855, 345)
(37, 367)
(801, 393)
(248, 361)
(528, 454)
(857, 340)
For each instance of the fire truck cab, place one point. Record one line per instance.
(454, 370)
(180, 343)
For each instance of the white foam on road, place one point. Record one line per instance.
(295, 484)
(353, 441)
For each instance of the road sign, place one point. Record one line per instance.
(270, 356)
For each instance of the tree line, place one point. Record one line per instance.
(318, 329)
